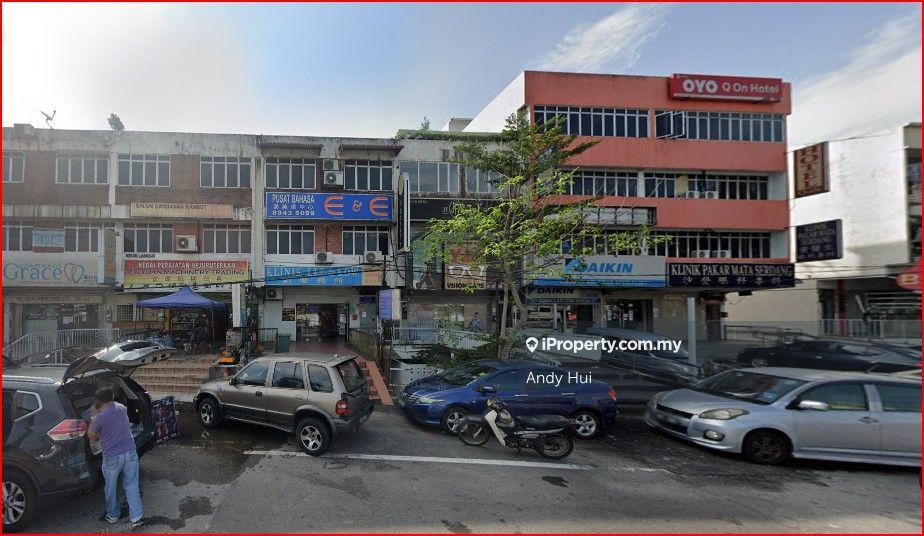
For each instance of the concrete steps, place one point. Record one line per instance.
(183, 375)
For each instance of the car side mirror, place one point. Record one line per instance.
(488, 389)
(232, 381)
(813, 405)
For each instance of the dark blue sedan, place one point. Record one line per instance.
(527, 388)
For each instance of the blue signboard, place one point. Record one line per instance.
(329, 276)
(48, 238)
(329, 206)
(390, 304)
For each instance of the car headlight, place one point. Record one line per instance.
(428, 400)
(724, 414)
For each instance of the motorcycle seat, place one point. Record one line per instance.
(544, 422)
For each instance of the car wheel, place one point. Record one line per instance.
(453, 418)
(313, 436)
(586, 424)
(19, 500)
(209, 413)
(766, 447)
(759, 362)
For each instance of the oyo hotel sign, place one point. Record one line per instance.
(711, 87)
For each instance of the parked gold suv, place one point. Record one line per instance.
(311, 395)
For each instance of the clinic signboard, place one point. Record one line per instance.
(819, 241)
(732, 88)
(730, 274)
(329, 206)
(158, 273)
(323, 276)
(27, 273)
(623, 271)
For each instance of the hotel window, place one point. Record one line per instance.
(731, 126)
(144, 170)
(221, 238)
(709, 186)
(82, 169)
(147, 238)
(289, 239)
(368, 175)
(481, 182)
(224, 172)
(290, 173)
(725, 244)
(359, 240)
(597, 183)
(608, 122)
(81, 238)
(17, 236)
(14, 165)
(432, 177)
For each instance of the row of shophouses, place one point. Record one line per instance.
(300, 233)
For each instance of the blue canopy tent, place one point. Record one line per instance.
(184, 298)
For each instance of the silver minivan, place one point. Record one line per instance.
(770, 414)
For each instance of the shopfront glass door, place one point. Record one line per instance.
(630, 314)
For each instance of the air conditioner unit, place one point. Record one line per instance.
(333, 179)
(323, 257)
(710, 195)
(186, 244)
(273, 294)
(721, 254)
(692, 195)
(701, 253)
(373, 257)
(330, 164)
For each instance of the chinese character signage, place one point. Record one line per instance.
(810, 170)
(146, 273)
(607, 271)
(819, 241)
(730, 274)
(329, 206)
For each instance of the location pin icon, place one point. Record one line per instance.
(531, 344)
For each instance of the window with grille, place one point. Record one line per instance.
(81, 238)
(605, 122)
(359, 240)
(14, 166)
(289, 239)
(290, 173)
(368, 175)
(147, 238)
(225, 238)
(17, 236)
(144, 170)
(82, 169)
(224, 172)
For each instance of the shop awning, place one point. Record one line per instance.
(184, 298)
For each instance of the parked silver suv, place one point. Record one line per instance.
(311, 395)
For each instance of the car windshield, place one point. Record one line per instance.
(466, 374)
(750, 386)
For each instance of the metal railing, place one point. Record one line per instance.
(42, 343)
(851, 328)
(452, 338)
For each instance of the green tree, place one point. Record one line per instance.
(115, 123)
(520, 233)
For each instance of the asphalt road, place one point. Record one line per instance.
(246, 478)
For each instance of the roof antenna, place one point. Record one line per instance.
(49, 118)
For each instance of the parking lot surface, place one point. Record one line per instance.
(394, 476)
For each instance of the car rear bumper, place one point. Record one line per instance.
(353, 422)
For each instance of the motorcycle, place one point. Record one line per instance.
(542, 433)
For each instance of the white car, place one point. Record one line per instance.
(770, 414)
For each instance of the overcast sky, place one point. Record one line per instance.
(368, 70)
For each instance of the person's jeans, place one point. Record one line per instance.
(127, 466)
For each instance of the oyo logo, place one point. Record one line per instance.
(692, 85)
(531, 344)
